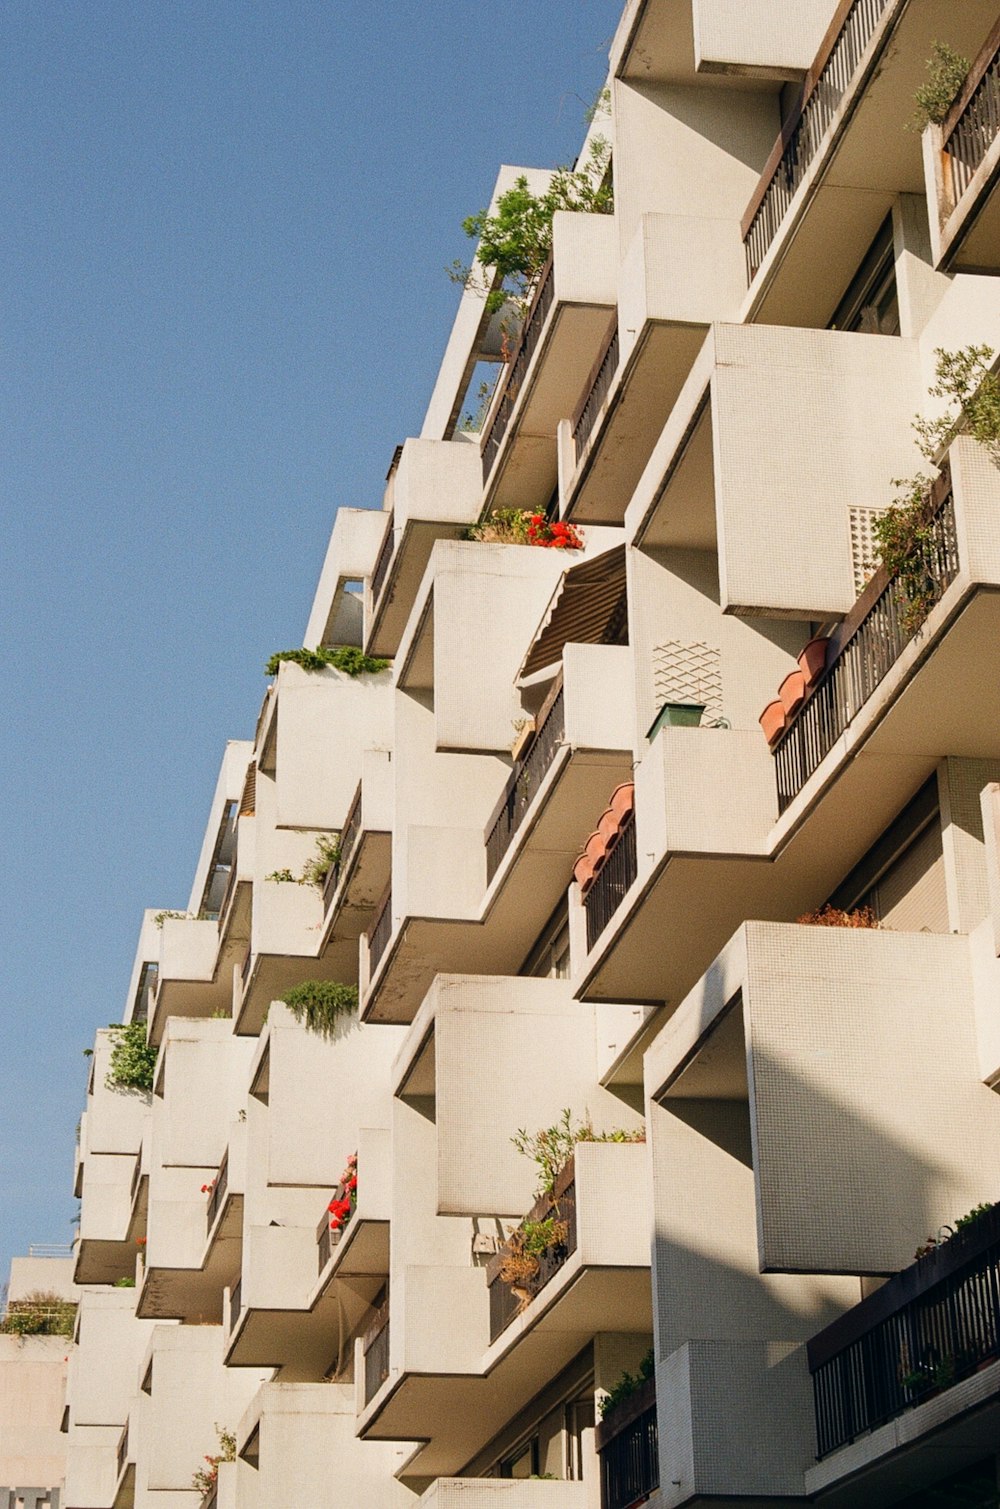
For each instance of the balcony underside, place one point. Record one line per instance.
(525, 473)
(307, 1343)
(360, 891)
(191, 1294)
(99, 1262)
(955, 1430)
(631, 421)
(934, 702)
(273, 975)
(456, 1416)
(197, 998)
(362, 1252)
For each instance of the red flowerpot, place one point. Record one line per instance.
(772, 721)
(812, 661)
(583, 871)
(595, 850)
(792, 692)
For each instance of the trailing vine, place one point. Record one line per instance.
(321, 1004)
(133, 1059)
(344, 657)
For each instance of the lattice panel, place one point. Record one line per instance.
(688, 673)
(864, 555)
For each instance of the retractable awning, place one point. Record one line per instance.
(580, 610)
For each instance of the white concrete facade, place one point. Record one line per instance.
(576, 891)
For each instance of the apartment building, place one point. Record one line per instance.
(588, 1000)
(36, 1328)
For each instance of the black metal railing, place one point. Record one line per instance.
(930, 1326)
(508, 1300)
(526, 777)
(122, 1456)
(219, 1191)
(608, 890)
(324, 1241)
(380, 934)
(383, 560)
(376, 1349)
(211, 1499)
(346, 841)
(866, 647)
(973, 123)
(598, 392)
(628, 1451)
(802, 137)
(518, 367)
(235, 1304)
(245, 967)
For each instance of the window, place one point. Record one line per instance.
(549, 956)
(871, 304)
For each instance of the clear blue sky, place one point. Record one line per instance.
(223, 231)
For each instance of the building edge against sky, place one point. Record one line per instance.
(647, 807)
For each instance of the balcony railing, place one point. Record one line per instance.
(384, 560)
(628, 1450)
(122, 1456)
(380, 934)
(376, 1349)
(608, 891)
(211, 1499)
(245, 968)
(518, 367)
(866, 647)
(526, 777)
(508, 1300)
(348, 838)
(598, 392)
(220, 1189)
(973, 123)
(798, 145)
(930, 1326)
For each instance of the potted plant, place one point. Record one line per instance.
(772, 720)
(677, 715)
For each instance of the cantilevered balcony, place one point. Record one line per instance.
(747, 482)
(962, 165)
(285, 933)
(562, 336)
(434, 491)
(679, 274)
(357, 882)
(580, 751)
(361, 1247)
(891, 1020)
(676, 40)
(844, 154)
(628, 1450)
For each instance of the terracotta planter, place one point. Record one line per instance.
(812, 660)
(609, 825)
(622, 800)
(595, 850)
(792, 692)
(772, 721)
(583, 871)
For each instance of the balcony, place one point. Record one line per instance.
(504, 1493)
(195, 973)
(375, 1349)
(628, 1450)
(740, 1037)
(732, 477)
(845, 154)
(863, 650)
(930, 1327)
(361, 1248)
(356, 884)
(285, 932)
(678, 41)
(434, 492)
(563, 335)
(679, 274)
(508, 1300)
(962, 166)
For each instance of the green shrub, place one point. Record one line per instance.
(947, 71)
(133, 1059)
(628, 1385)
(39, 1314)
(345, 657)
(552, 1147)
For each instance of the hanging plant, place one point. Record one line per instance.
(321, 1004)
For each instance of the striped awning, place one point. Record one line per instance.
(580, 610)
